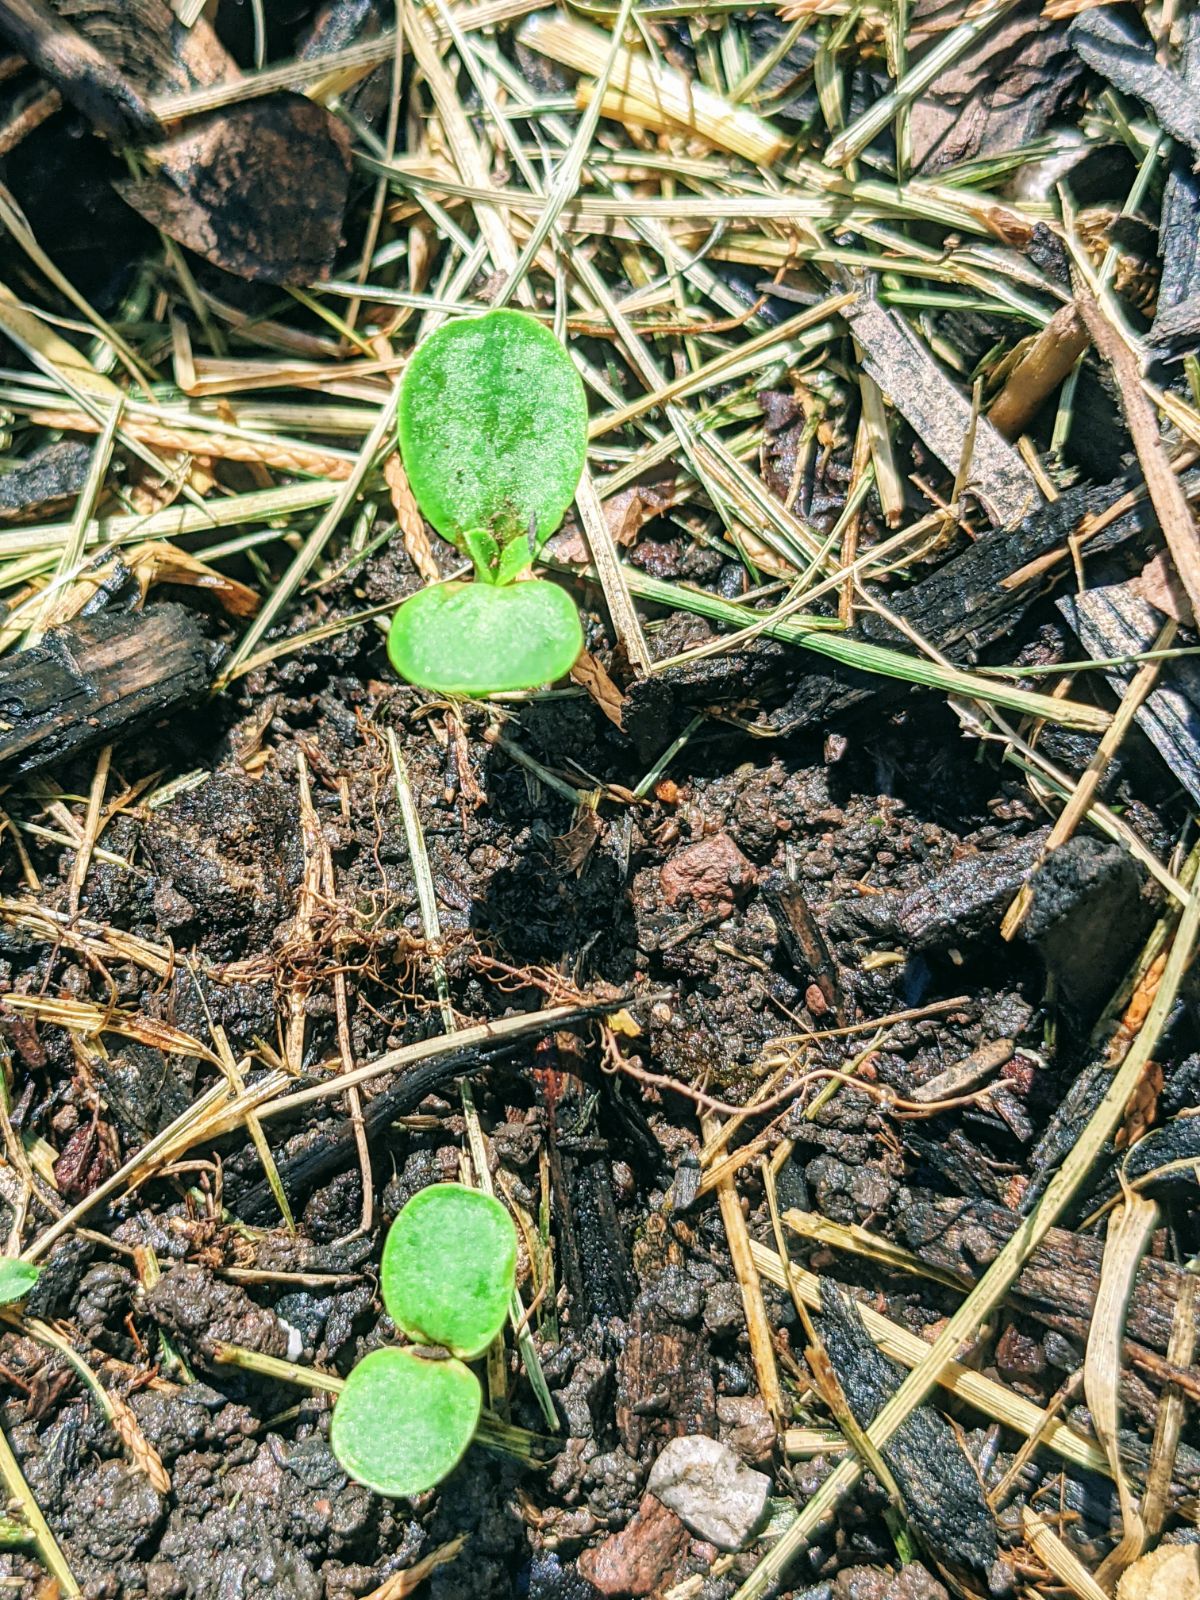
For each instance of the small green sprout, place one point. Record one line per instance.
(493, 430)
(407, 1415)
(16, 1279)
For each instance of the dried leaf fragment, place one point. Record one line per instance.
(590, 675)
(258, 189)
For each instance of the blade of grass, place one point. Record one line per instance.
(47, 1546)
(566, 178)
(816, 634)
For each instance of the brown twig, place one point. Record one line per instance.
(75, 67)
(1166, 494)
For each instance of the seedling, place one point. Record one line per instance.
(408, 1413)
(493, 431)
(16, 1279)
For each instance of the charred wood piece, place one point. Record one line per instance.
(99, 679)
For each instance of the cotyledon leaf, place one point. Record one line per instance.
(404, 1420)
(449, 1266)
(16, 1279)
(492, 422)
(483, 638)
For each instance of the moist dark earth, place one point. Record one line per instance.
(756, 870)
(769, 886)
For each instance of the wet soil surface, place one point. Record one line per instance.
(769, 887)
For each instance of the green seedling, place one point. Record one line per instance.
(493, 430)
(408, 1413)
(16, 1279)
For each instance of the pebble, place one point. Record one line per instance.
(747, 1426)
(723, 1308)
(707, 1487)
(912, 1582)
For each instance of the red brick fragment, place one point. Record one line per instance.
(636, 1562)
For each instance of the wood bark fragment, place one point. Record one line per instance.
(1080, 801)
(945, 1508)
(77, 69)
(1112, 621)
(97, 679)
(1110, 46)
(1166, 492)
(929, 401)
(1156, 1501)
(1177, 315)
(1059, 1283)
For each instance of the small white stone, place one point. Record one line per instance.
(709, 1490)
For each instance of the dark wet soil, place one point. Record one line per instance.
(770, 886)
(765, 888)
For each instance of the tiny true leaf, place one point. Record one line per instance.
(493, 428)
(16, 1279)
(484, 638)
(403, 1421)
(449, 1266)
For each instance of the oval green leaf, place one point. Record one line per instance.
(449, 1267)
(493, 427)
(403, 1422)
(482, 638)
(16, 1279)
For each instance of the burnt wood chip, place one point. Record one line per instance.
(1086, 911)
(1124, 54)
(952, 1161)
(963, 608)
(1177, 315)
(335, 1146)
(1058, 1283)
(44, 480)
(1167, 1158)
(98, 679)
(937, 410)
(608, 1282)
(801, 936)
(952, 907)
(1066, 1123)
(939, 1486)
(1113, 620)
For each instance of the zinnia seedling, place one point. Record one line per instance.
(406, 1416)
(493, 431)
